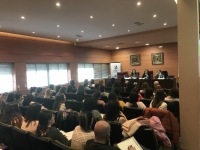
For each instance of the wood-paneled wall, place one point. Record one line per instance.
(170, 58)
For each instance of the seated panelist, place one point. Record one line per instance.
(146, 74)
(159, 74)
(134, 74)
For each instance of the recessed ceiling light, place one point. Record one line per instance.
(58, 26)
(82, 31)
(76, 39)
(22, 17)
(33, 32)
(160, 46)
(91, 17)
(128, 30)
(113, 25)
(154, 16)
(99, 35)
(165, 24)
(58, 4)
(58, 36)
(139, 3)
(107, 46)
(147, 44)
(117, 47)
(137, 42)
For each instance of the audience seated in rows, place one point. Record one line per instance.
(38, 92)
(113, 96)
(129, 87)
(28, 98)
(133, 101)
(2, 105)
(113, 112)
(10, 98)
(31, 118)
(83, 132)
(48, 93)
(110, 83)
(72, 83)
(33, 91)
(102, 91)
(58, 88)
(46, 120)
(116, 85)
(96, 98)
(18, 98)
(144, 86)
(12, 115)
(80, 93)
(62, 91)
(70, 90)
(89, 105)
(122, 83)
(91, 85)
(158, 101)
(149, 93)
(59, 103)
(173, 95)
(85, 85)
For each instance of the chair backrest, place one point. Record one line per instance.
(21, 139)
(126, 94)
(131, 112)
(48, 102)
(151, 74)
(125, 99)
(104, 98)
(89, 91)
(23, 110)
(39, 143)
(108, 89)
(77, 106)
(146, 137)
(146, 101)
(100, 108)
(165, 73)
(69, 104)
(87, 95)
(115, 133)
(6, 135)
(55, 114)
(167, 91)
(174, 108)
(56, 145)
(70, 96)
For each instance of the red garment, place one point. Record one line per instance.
(168, 121)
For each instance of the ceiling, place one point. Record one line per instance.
(73, 16)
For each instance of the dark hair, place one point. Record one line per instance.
(12, 115)
(28, 98)
(58, 88)
(85, 83)
(32, 113)
(51, 86)
(92, 81)
(18, 95)
(112, 96)
(129, 87)
(62, 90)
(112, 110)
(132, 72)
(88, 104)
(10, 98)
(116, 84)
(118, 91)
(102, 88)
(85, 121)
(96, 96)
(39, 90)
(58, 101)
(2, 106)
(32, 89)
(96, 86)
(174, 93)
(145, 85)
(44, 118)
(69, 89)
(80, 93)
(122, 80)
(133, 99)
(159, 98)
(72, 83)
(148, 93)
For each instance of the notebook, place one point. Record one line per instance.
(131, 141)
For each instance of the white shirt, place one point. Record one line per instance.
(162, 106)
(139, 104)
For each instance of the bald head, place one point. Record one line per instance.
(156, 83)
(102, 130)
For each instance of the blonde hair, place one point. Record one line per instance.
(47, 93)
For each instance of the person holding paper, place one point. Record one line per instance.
(159, 74)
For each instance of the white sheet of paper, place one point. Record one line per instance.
(67, 134)
(131, 141)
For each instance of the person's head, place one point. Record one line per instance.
(146, 71)
(133, 71)
(101, 88)
(32, 113)
(58, 88)
(100, 82)
(85, 121)
(112, 110)
(88, 104)
(102, 132)
(116, 84)
(62, 90)
(159, 98)
(10, 98)
(72, 83)
(148, 93)
(92, 81)
(18, 96)
(117, 90)
(112, 96)
(48, 93)
(46, 119)
(33, 89)
(80, 88)
(122, 80)
(96, 96)
(133, 98)
(39, 90)
(4, 96)
(85, 83)
(174, 93)
(96, 86)
(2, 106)
(59, 99)
(69, 89)
(159, 71)
(51, 86)
(145, 85)
(129, 87)
(11, 108)
(28, 98)
(155, 83)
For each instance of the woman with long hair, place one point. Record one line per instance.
(96, 98)
(173, 95)
(12, 115)
(80, 93)
(158, 101)
(113, 112)
(28, 98)
(10, 98)
(149, 93)
(83, 132)
(70, 90)
(48, 93)
(46, 120)
(133, 101)
(31, 118)
(59, 103)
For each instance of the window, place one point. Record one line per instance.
(44, 74)
(6, 78)
(92, 71)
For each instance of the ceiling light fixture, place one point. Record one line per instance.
(91, 17)
(176, 1)
(128, 30)
(117, 47)
(58, 4)
(154, 16)
(137, 42)
(58, 26)
(147, 44)
(107, 46)
(99, 35)
(165, 24)
(160, 46)
(139, 3)
(58, 36)
(22, 17)
(76, 39)
(82, 31)
(113, 25)
(33, 32)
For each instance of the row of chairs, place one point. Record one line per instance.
(18, 139)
